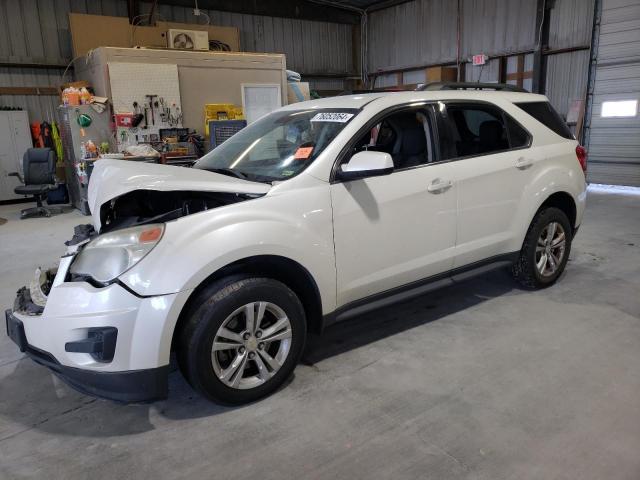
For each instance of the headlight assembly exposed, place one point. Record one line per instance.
(108, 256)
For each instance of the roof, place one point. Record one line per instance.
(360, 100)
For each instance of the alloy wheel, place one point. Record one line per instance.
(251, 345)
(550, 249)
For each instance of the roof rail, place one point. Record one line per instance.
(471, 86)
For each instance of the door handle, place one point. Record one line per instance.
(439, 186)
(523, 163)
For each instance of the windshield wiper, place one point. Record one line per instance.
(228, 171)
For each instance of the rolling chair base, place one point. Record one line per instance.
(39, 212)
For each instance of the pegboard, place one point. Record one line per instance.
(132, 82)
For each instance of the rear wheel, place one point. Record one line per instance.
(545, 250)
(242, 339)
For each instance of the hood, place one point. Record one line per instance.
(113, 178)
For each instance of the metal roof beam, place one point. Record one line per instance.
(276, 8)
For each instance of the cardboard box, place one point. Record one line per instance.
(441, 74)
(92, 31)
(298, 92)
(78, 85)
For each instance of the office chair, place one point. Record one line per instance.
(39, 165)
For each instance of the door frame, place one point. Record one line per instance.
(344, 154)
(448, 127)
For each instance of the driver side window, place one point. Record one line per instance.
(406, 135)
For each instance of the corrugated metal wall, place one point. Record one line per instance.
(489, 72)
(310, 47)
(570, 26)
(614, 146)
(412, 34)
(567, 78)
(496, 27)
(37, 31)
(40, 107)
(423, 32)
(571, 23)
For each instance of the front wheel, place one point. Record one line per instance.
(545, 250)
(242, 339)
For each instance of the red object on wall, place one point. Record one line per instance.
(124, 120)
(479, 59)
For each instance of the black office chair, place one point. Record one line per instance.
(39, 166)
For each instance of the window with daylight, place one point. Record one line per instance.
(620, 108)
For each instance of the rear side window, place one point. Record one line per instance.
(476, 130)
(545, 114)
(518, 136)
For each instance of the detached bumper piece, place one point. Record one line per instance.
(24, 303)
(133, 386)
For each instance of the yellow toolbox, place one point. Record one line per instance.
(221, 111)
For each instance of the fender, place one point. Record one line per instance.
(558, 172)
(196, 246)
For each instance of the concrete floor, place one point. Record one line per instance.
(480, 381)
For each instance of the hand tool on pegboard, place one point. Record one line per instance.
(151, 97)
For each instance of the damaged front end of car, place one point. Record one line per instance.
(32, 299)
(79, 319)
(126, 195)
(132, 209)
(141, 207)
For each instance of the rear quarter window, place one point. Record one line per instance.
(545, 114)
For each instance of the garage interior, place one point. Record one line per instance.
(478, 380)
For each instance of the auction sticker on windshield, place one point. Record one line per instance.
(339, 117)
(303, 153)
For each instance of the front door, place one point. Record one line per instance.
(396, 229)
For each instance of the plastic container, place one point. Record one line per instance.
(85, 96)
(221, 111)
(73, 97)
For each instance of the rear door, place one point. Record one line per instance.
(493, 165)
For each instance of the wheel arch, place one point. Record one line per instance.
(288, 271)
(563, 201)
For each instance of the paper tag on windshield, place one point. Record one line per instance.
(303, 153)
(338, 117)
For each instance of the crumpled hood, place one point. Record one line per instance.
(113, 178)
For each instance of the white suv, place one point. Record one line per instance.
(317, 212)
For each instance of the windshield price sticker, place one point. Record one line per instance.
(303, 153)
(332, 117)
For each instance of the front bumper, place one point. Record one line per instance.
(128, 386)
(136, 369)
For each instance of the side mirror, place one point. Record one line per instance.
(366, 164)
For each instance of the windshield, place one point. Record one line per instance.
(278, 146)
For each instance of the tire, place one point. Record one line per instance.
(264, 365)
(527, 268)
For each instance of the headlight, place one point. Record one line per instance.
(110, 255)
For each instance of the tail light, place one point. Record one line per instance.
(581, 154)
